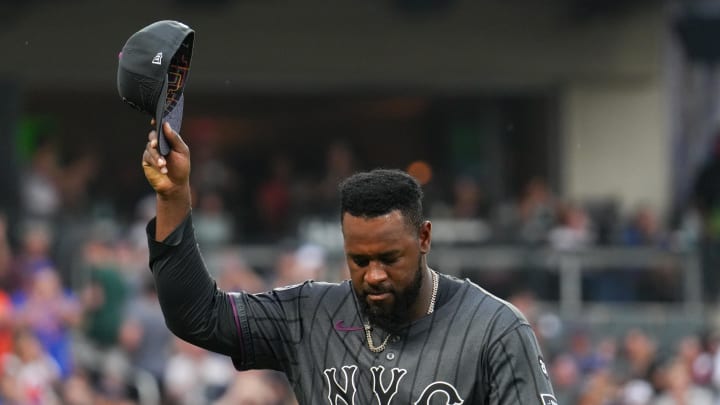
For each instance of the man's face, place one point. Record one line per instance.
(384, 255)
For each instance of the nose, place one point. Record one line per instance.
(375, 274)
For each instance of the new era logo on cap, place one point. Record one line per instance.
(157, 88)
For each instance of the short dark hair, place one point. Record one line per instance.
(381, 191)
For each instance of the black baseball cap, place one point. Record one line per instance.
(153, 68)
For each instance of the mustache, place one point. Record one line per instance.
(377, 290)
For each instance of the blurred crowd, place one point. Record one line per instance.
(100, 338)
(80, 322)
(632, 367)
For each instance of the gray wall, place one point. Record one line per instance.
(475, 44)
(607, 72)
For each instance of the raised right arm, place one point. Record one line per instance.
(194, 309)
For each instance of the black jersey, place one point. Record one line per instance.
(473, 349)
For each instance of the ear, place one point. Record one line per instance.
(425, 236)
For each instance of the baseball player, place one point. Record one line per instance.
(398, 332)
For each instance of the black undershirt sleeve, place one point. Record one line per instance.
(194, 309)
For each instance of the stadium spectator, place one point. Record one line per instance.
(214, 227)
(195, 376)
(573, 230)
(566, 377)
(340, 162)
(78, 390)
(234, 273)
(40, 194)
(143, 334)
(30, 375)
(104, 295)
(677, 387)
(307, 262)
(537, 211)
(274, 199)
(50, 313)
(254, 387)
(35, 254)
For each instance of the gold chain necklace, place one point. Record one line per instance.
(431, 308)
(435, 278)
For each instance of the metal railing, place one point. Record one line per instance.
(569, 266)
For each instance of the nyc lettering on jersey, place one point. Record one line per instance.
(342, 387)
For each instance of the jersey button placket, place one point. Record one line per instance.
(390, 356)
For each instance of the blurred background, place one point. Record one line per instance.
(569, 151)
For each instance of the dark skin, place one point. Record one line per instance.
(384, 254)
(169, 176)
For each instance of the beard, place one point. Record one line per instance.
(391, 317)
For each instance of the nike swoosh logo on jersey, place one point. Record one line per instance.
(340, 326)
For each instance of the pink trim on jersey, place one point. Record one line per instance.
(237, 321)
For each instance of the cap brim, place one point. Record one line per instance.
(173, 117)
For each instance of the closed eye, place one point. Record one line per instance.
(389, 259)
(360, 261)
